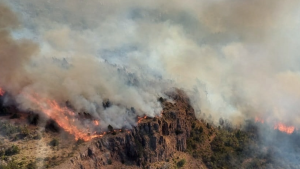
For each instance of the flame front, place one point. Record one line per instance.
(1, 92)
(141, 118)
(96, 122)
(283, 128)
(259, 120)
(278, 126)
(64, 117)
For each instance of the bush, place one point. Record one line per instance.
(9, 129)
(33, 119)
(25, 131)
(193, 125)
(79, 141)
(160, 99)
(200, 129)
(208, 126)
(198, 139)
(109, 162)
(181, 163)
(31, 165)
(15, 116)
(54, 142)
(10, 165)
(12, 150)
(38, 136)
(110, 128)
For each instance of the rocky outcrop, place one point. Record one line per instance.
(153, 139)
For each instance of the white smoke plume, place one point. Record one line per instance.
(236, 59)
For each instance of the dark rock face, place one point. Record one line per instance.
(154, 139)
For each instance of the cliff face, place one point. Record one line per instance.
(152, 140)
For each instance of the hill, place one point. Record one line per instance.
(176, 139)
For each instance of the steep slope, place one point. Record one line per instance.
(175, 139)
(152, 140)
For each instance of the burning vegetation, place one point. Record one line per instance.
(278, 126)
(1, 92)
(69, 120)
(283, 128)
(74, 56)
(217, 146)
(64, 117)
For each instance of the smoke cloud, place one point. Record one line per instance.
(236, 59)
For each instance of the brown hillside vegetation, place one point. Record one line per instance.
(176, 139)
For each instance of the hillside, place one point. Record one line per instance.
(176, 139)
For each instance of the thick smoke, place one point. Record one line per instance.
(15, 55)
(78, 77)
(236, 59)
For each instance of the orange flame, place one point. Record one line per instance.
(279, 126)
(1, 92)
(283, 128)
(141, 118)
(64, 117)
(96, 122)
(259, 120)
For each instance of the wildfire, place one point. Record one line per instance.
(1, 92)
(283, 128)
(278, 126)
(259, 120)
(96, 122)
(64, 117)
(141, 118)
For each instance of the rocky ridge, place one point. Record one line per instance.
(152, 140)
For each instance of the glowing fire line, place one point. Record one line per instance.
(141, 118)
(278, 126)
(1, 92)
(283, 128)
(64, 117)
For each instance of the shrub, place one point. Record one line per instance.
(208, 126)
(193, 125)
(25, 131)
(54, 142)
(38, 136)
(200, 130)
(197, 139)
(181, 163)
(160, 99)
(9, 129)
(110, 128)
(79, 141)
(2, 153)
(109, 162)
(12, 150)
(10, 165)
(33, 119)
(31, 165)
(15, 116)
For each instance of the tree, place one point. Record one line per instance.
(110, 128)
(221, 121)
(54, 142)
(181, 163)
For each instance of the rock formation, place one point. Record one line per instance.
(152, 140)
